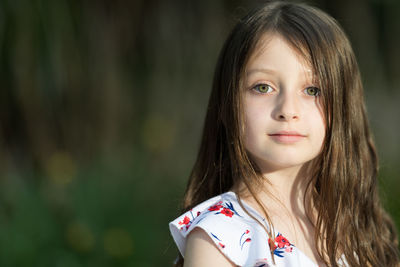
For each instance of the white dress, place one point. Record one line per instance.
(239, 237)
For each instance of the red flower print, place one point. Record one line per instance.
(198, 213)
(247, 231)
(215, 207)
(227, 212)
(221, 245)
(185, 221)
(280, 245)
(282, 242)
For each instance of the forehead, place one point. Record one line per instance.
(274, 51)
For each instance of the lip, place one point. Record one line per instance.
(287, 137)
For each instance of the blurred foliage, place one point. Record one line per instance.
(101, 109)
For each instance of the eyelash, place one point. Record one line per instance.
(317, 93)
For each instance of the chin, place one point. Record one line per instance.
(274, 165)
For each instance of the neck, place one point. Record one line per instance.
(284, 186)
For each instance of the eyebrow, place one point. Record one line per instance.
(268, 71)
(271, 71)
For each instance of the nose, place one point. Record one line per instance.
(286, 108)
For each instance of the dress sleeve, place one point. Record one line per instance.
(227, 227)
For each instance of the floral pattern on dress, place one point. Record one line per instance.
(187, 222)
(262, 263)
(220, 245)
(224, 208)
(238, 236)
(227, 209)
(280, 245)
(244, 239)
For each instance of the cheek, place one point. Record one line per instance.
(257, 110)
(319, 125)
(252, 126)
(315, 122)
(255, 121)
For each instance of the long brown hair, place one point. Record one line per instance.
(343, 188)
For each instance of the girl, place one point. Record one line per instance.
(286, 174)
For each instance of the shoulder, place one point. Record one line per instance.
(222, 226)
(199, 244)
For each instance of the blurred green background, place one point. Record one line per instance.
(102, 105)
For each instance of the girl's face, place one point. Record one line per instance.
(284, 125)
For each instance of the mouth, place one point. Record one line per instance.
(287, 137)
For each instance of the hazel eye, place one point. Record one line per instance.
(263, 88)
(312, 91)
